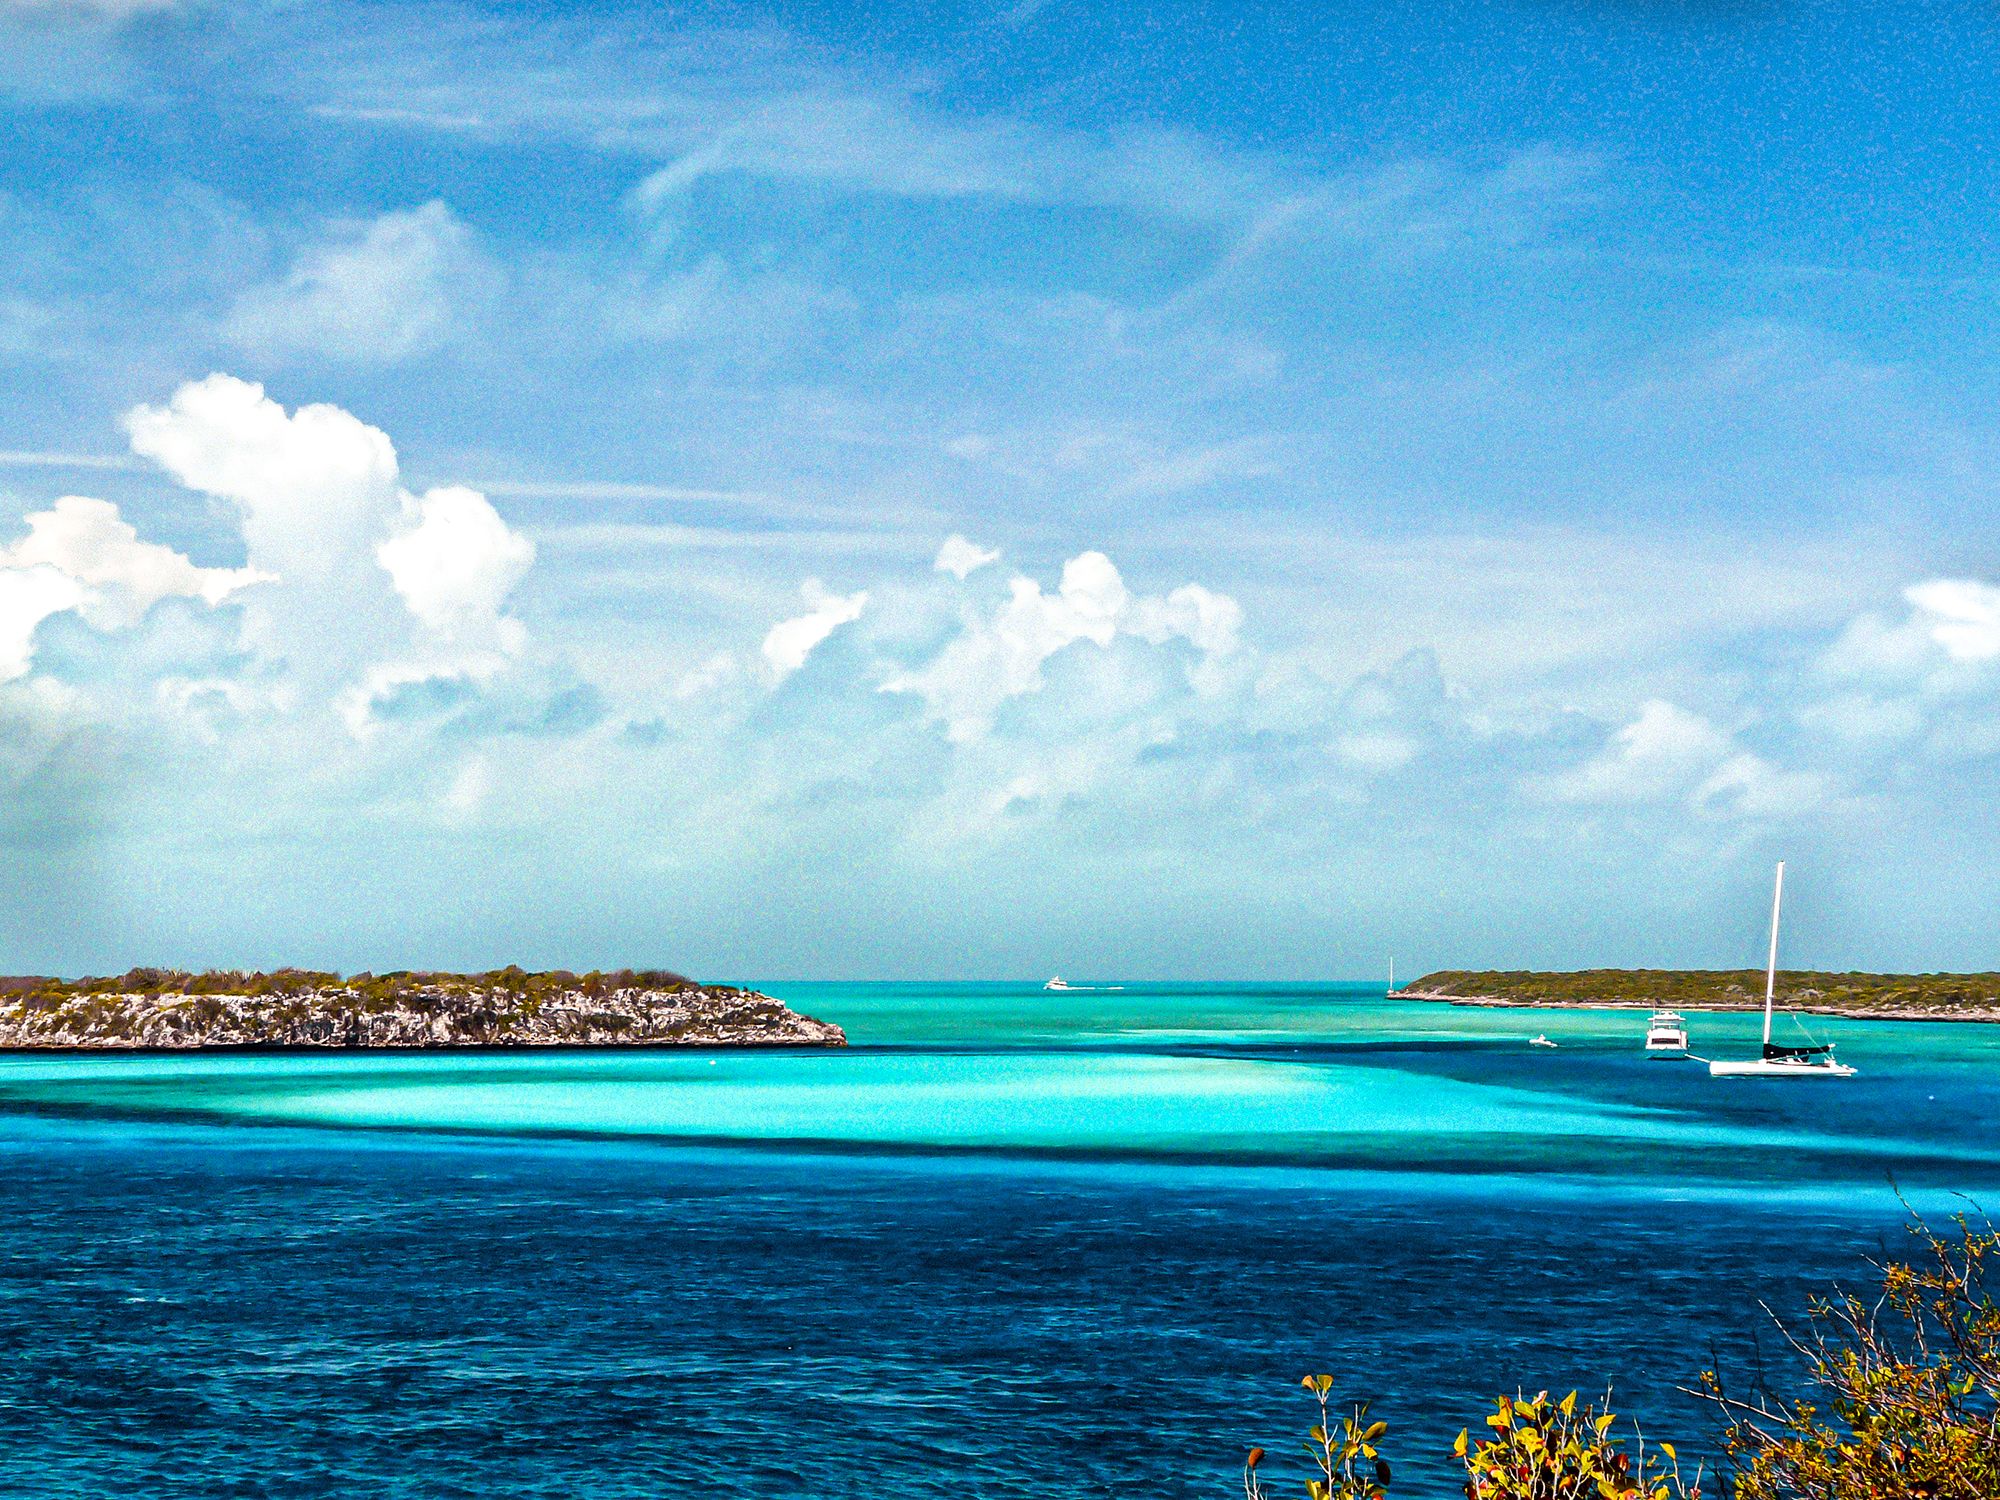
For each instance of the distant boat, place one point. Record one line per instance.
(1058, 983)
(1781, 1062)
(1667, 1034)
(1540, 1041)
(1064, 984)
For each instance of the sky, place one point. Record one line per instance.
(996, 489)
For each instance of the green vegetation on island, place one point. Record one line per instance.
(171, 1008)
(1902, 1402)
(1904, 997)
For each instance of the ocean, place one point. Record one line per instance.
(1009, 1243)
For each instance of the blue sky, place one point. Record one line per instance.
(994, 489)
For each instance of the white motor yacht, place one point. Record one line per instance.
(1666, 1034)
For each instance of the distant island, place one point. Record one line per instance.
(1882, 997)
(170, 1009)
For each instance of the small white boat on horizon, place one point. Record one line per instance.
(1060, 983)
(1541, 1040)
(1779, 1061)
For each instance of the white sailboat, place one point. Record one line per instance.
(1781, 1062)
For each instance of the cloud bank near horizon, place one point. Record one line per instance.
(367, 659)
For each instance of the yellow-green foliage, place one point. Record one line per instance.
(1539, 1449)
(1343, 1452)
(1908, 1388)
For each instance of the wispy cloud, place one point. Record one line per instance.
(376, 292)
(65, 50)
(753, 102)
(86, 10)
(19, 458)
(1197, 468)
(610, 489)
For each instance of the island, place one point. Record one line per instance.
(167, 1009)
(1877, 997)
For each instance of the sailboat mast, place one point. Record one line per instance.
(1392, 973)
(1771, 969)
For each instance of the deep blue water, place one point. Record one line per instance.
(527, 1277)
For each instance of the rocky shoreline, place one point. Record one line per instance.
(510, 1009)
(1805, 1007)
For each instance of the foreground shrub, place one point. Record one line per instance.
(1349, 1467)
(1907, 1388)
(1549, 1450)
(1539, 1450)
(1904, 1404)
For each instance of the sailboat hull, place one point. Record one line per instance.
(1779, 1070)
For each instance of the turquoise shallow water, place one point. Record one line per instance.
(1012, 1239)
(1329, 1077)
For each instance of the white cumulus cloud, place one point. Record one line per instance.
(322, 507)
(311, 484)
(1205, 619)
(791, 641)
(1961, 615)
(380, 292)
(962, 558)
(91, 543)
(81, 555)
(1000, 656)
(1658, 754)
(456, 564)
(29, 596)
(1750, 785)
(1669, 754)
